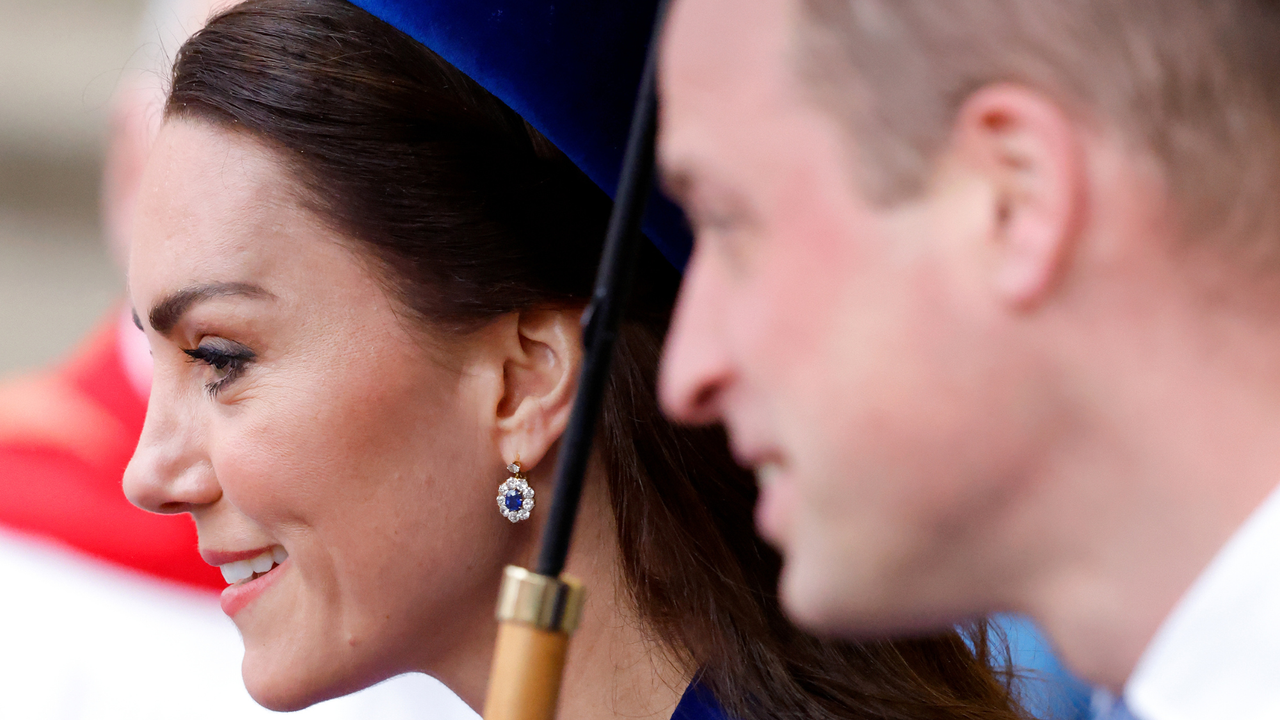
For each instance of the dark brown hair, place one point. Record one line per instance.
(471, 215)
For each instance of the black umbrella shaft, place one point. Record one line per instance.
(603, 315)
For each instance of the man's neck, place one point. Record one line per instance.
(1153, 482)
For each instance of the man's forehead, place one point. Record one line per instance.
(719, 42)
(725, 68)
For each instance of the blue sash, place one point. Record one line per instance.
(698, 704)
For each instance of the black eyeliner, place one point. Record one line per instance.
(224, 357)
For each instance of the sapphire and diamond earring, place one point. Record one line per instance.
(515, 497)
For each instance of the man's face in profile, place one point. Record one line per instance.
(839, 342)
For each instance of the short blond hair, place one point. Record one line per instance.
(1195, 84)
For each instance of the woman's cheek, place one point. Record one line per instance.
(258, 466)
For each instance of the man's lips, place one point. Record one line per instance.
(751, 453)
(774, 504)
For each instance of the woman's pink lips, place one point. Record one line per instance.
(218, 557)
(238, 596)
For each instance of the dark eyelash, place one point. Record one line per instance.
(229, 362)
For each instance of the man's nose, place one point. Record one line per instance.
(696, 367)
(170, 471)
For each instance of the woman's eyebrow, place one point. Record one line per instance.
(165, 314)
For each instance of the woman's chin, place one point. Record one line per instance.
(285, 685)
(282, 694)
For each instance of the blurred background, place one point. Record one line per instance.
(60, 61)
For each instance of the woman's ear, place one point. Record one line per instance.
(1031, 154)
(540, 379)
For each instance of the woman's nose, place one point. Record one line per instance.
(170, 471)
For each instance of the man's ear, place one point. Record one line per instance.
(540, 380)
(1031, 154)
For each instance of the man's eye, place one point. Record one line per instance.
(227, 359)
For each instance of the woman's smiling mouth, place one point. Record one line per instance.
(240, 571)
(248, 574)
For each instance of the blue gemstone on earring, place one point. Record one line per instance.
(514, 501)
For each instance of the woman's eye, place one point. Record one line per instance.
(227, 359)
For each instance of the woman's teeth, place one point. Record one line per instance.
(241, 570)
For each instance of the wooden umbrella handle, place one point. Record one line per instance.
(536, 616)
(527, 666)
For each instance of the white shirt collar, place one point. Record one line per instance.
(1217, 655)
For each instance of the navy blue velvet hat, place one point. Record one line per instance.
(570, 68)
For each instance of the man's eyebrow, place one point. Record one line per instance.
(165, 314)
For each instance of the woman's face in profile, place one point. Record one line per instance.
(335, 460)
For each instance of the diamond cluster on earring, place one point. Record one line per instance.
(515, 497)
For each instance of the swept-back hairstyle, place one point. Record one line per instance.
(470, 214)
(1191, 83)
